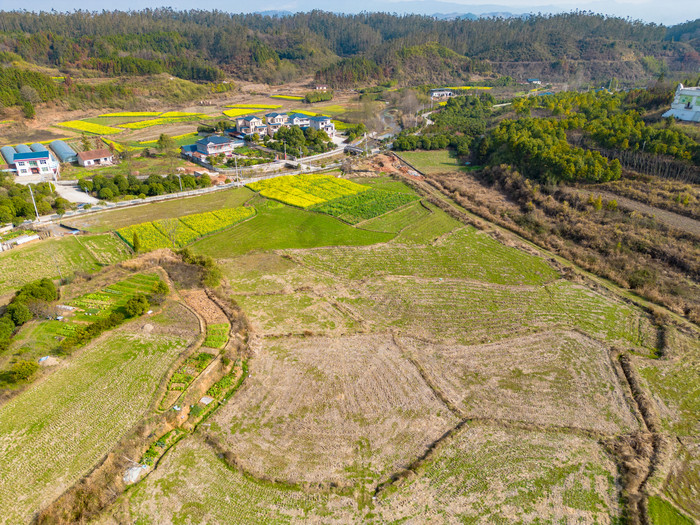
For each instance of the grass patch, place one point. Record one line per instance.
(217, 335)
(278, 227)
(661, 512)
(437, 161)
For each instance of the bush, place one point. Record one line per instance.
(23, 370)
(136, 306)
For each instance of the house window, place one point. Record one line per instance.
(43, 162)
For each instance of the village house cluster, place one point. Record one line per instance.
(37, 159)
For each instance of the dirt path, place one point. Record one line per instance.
(668, 218)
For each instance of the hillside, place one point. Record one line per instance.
(209, 46)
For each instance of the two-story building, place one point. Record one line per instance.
(323, 123)
(36, 163)
(299, 119)
(250, 124)
(215, 145)
(441, 93)
(275, 121)
(686, 104)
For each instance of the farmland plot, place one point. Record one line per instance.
(55, 432)
(464, 253)
(555, 378)
(193, 485)
(491, 475)
(344, 409)
(365, 205)
(54, 257)
(294, 313)
(304, 191)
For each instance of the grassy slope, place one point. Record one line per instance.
(277, 226)
(112, 220)
(58, 429)
(437, 161)
(54, 257)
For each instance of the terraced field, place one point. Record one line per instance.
(344, 410)
(57, 430)
(57, 257)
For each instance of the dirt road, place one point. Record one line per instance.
(668, 218)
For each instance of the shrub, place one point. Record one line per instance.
(137, 305)
(19, 313)
(23, 370)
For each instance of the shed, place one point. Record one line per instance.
(63, 151)
(38, 147)
(22, 148)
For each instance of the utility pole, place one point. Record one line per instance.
(238, 175)
(33, 201)
(180, 179)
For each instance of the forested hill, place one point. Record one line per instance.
(344, 49)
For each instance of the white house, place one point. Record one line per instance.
(441, 93)
(686, 104)
(214, 145)
(250, 124)
(95, 157)
(36, 163)
(275, 121)
(323, 123)
(299, 119)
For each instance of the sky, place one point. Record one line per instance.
(666, 12)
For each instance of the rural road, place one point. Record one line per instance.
(674, 220)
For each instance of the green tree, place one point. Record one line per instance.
(84, 142)
(136, 242)
(19, 313)
(136, 306)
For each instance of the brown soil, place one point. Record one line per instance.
(204, 306)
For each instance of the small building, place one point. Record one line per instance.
(215, 145)
(321, 87)
(63, 151)
(323, 123)
(36, 163)
(299, 119)
(686, 104)
(535, 81)
(95, 157)
(441, 93)
(250, 124)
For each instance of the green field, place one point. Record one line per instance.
(365, 205)
(436, 161)
(112, 220)
(277, 227)
(53, 258)
(56, 431)
(662, 512)
(217, 335)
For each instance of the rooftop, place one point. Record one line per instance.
(94, 154)
(33, 155)
(214, 139)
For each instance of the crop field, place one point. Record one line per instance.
(89, 127)
(163, 120)
(115, 219)
(132, 114)
(169, 233)
(276, 226)
(286, 97)
(192, 485)
(55, 257)
(344, 409)
(190, 369)
(239, 112)
(254, 106)
(365, 205)
(491, 475)
(204, 306)
(551, 378)
(98, 305)
(305, 191)
(58, 429)
(217, 335)
(295, 313)
(398, 220)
